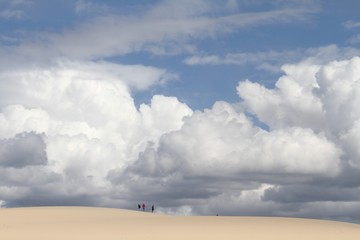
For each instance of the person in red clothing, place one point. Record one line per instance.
(143, 206)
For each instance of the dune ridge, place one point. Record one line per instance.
(87, 223)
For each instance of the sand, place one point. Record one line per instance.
(84, 223)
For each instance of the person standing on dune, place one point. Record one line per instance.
(143, 206)
(152, 208)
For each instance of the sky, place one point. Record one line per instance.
(231, 107)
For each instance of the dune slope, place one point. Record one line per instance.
(83, 223)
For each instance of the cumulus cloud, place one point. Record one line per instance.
(221, 142)
(71, 134)
(234, 167)
(86, 123)
(307, 92)
(65, 78)
(91, 143)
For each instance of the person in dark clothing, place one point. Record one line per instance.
(139, 206)
(152, 208)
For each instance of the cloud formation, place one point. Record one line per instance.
(154, 153)
(158, 29)
(86, 114)
(274, 60)
(235, 167)
(71, 133)
(90, 141)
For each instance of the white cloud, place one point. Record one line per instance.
(102, 150)
(163, 114)
(249, 201)
(351, 139)
(83, 6)
(71, 134)
(234, 167)
(351, 24)
(202, 60)
(339, 92)
(168, 21)
(355, 39)
(323, 98)
(222, 142)
(87, 114)
(273, 60)
(65, 78)
(11, 123)
(9, 14)
(13, 9)
(15, 2)
(232, 5)
(291, 103)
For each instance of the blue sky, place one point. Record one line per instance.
(201, 107)
(320, 23)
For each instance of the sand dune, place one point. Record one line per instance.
(104, 223)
